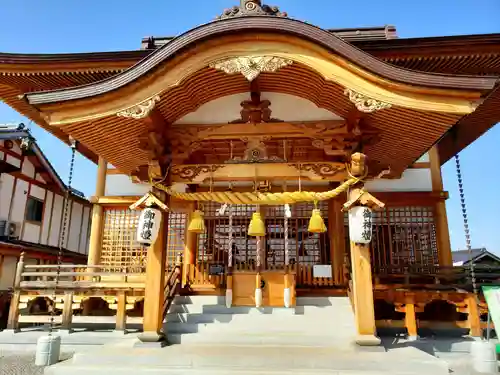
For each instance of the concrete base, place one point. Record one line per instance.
(151, 336)
(151, 340)
(150, 345)
(367, 340)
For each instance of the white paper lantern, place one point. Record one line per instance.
(360, 224)
(149, 226)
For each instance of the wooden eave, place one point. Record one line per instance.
(21, 73)
(405, 133)
(471, 127)
(262, 24)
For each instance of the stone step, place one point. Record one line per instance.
(222, 309)
(189, 359)
(283, 338)
(298, 325)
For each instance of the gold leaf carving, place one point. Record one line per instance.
(364, 103)
(323, 170)
(140, 110)
(190, 172)
(250, 66)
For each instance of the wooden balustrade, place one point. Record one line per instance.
(65, 287)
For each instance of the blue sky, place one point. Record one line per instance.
(57, 26)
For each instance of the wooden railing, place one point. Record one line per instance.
(436, 277)
(172, 285)
(64, 288)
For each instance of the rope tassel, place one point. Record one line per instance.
(316, 223)
(197, 224)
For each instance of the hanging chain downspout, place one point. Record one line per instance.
(62, 239)
(466, 225)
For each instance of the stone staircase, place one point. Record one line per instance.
(313, 322)
(315, 337)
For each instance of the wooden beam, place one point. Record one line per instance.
(199, 173)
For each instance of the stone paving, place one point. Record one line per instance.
(22, 363)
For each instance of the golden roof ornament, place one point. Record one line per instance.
(251, 8)
(365, 104)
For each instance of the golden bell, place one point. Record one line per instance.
(197, 225)
(316, 223)
(256, 227)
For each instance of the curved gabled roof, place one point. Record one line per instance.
(261, 24)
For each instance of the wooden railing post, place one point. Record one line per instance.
(411, 317)
(473, 318)
(13, 320)
(121, 311)
(67, 314)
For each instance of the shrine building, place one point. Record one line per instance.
(264, 161)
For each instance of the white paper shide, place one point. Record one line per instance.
(149, 226)
(360, 224)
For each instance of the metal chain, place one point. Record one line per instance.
(466, 224)
(63, 232)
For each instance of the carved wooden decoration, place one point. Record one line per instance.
(156, 140)
(251, 66)
(199, 173)
(364, 103)
(140, 110)
(256, 152)
(255, 111)
(251, 8)
(148, 200)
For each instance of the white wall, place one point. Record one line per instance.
(284, 107)
(6, 188)
(417, 179)
(119, 184)
(14, 191)
(7, 272)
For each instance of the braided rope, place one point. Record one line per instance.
(466, 224)
(258, 255)
(230, 238)
(261, 198)
(287, 251)
(63, 233)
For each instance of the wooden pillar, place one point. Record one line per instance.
(121, 311)
(189, 251)
(96, 228)
(67, 313)
(337, 239)
(473, 317)
(362, 285)
(411, 316)
(13, 319)
(155, 286)
(442, 230)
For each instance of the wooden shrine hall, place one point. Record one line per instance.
(260, 158)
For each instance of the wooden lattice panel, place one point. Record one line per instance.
(121, 251)
(304, 248)
(176, 236)
(404, 236)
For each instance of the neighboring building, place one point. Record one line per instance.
(32, 205)
(479, 256)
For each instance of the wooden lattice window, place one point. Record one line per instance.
(121, 251)
(304, 247)
(404, 237)
(176, 236)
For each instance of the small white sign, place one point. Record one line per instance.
(322, 270)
